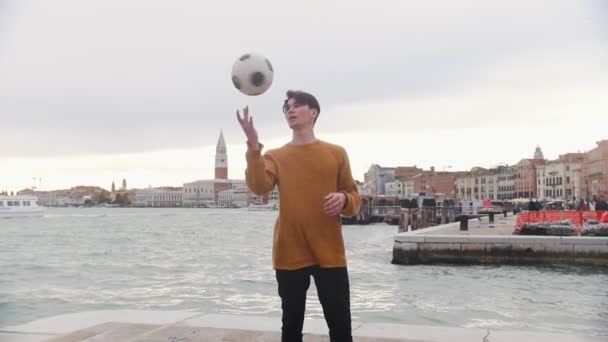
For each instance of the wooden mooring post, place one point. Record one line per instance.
(417, 218)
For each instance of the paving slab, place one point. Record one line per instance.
(105, 326)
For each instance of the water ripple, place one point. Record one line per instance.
(219, 261)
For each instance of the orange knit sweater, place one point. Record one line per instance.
(304, 235)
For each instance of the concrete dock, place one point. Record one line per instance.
(189, 326)
(494, 243)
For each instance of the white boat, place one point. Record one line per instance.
(20, 206)
(263, 207)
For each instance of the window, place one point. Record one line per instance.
(1, 203)
(567, 179)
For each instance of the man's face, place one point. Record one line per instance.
(299, 115)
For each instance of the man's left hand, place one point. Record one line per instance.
(334, 203)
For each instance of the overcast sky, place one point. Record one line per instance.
(95, 91)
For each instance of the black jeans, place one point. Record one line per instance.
(334, 294)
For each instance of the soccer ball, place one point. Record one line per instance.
(252, 74)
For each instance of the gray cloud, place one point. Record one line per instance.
(131, 76)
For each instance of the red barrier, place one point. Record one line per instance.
(601, 216)
(578, 218)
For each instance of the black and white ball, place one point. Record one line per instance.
(252, 74)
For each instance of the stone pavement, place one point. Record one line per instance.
(188, 326)
(157, 333)
(482, 226)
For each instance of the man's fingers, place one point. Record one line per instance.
(330, 196)
(238, 117)
(332, 206)
(339, 205)
(245, 116)
(329, 201)
(332, 212)
(332, 200)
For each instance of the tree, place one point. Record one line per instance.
(125, 201)
(101, 198)
(122, 200)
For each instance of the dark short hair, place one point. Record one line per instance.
(303, 98)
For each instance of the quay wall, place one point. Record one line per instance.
(412, 249)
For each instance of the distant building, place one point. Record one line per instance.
(595, 171)
(221, 158)
(403, 173)
(468, 186)
(269, 198)
(206, 192)
(395, 189)
(76, 196)
(526, 183)
(237, 196)
(158, 197)
(123, 191)
(433, 183)
(410, 182)
(202, 192)
(560, 179)
(377, 177)
(505, 182)
(408, 189)
(488, 184)
(496, 184)
(538, 153)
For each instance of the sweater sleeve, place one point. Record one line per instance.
(261, 172)
(347, 185)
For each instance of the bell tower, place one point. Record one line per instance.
(221, 159)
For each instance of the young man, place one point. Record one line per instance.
(315, 186)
